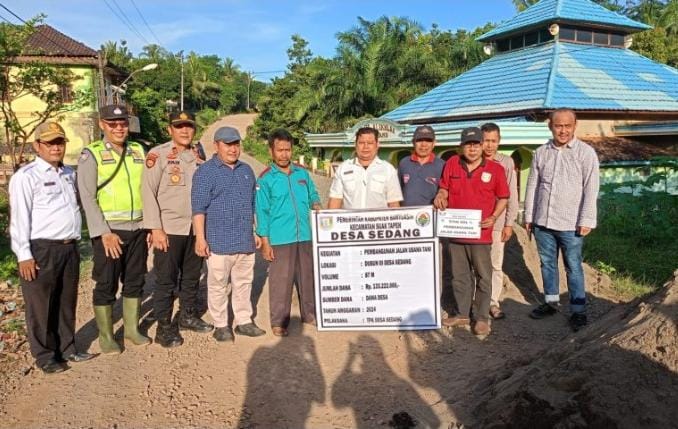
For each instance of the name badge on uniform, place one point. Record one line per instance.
(486, 177)
(49, 184)
(347, 172)
(106, 157)
(302, 182)
(138, 157)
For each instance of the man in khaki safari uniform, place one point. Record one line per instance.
(166, 192)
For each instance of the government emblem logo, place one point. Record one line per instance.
(326, 222)
(423, 219)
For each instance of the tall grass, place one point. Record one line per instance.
(636, 241)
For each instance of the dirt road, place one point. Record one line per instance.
(309, 379)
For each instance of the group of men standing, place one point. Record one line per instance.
(560, 208)
(188, 210)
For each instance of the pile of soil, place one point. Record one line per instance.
(621, 373)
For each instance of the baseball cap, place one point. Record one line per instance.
(49, 131)
(112, 112)
(423, 132)
(182, 117)
(471, 134)
(227, 135)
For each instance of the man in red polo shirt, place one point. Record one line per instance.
(471, 182)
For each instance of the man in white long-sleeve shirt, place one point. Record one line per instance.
(45, 227)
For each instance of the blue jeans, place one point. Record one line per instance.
(549, 244)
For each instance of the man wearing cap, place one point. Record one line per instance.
(222, 201)
(45, 228)
(561, 209)
(109, 180)
(286, 195)
(420, 172)
(365, 182)
(473, 183)
(419, 176)
(166, 193)
(503, 227)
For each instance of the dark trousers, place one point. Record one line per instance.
(293, 263)
(472, 274)
(177, 273)
(51, 300)
(130, 268)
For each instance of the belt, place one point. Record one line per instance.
(47, 241)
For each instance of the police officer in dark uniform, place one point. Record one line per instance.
(166, 192)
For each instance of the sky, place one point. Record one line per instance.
(255, 33)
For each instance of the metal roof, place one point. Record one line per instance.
(581, 12)
(548, 76)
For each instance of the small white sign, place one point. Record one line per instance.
(459, 223)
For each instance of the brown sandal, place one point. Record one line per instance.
(496, 313)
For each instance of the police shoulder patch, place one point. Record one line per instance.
(151, 158)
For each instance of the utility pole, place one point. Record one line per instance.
(181, 54)
(249, 81)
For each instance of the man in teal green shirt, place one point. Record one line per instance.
(285, 196)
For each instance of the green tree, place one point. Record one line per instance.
(19, 79)
(120, 55)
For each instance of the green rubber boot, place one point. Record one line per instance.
(130, 319)
(104, 319)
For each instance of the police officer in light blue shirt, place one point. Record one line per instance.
(44, 228)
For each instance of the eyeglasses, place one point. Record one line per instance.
(117, 124)
(180, 126)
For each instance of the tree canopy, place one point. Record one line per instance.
(212, 86)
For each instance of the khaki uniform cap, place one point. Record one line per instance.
(49, 131)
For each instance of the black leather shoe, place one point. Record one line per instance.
(577, 321)
(190, 322)
(544, 310)
(53, 366)
(249, 330)
(223, 334)
(80, 357)
(167, 335)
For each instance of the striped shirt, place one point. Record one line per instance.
(562, 187)
(225, 196)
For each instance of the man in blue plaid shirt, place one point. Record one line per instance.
(223, 219)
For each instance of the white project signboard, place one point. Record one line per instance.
(376, 269)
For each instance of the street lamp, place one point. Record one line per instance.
(120, 89)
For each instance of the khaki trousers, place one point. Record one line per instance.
(497, 255)
(230, 274)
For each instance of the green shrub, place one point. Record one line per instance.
(258, 149)
(636, 239)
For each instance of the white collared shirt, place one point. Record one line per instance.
(44, 205)
(366, 188)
